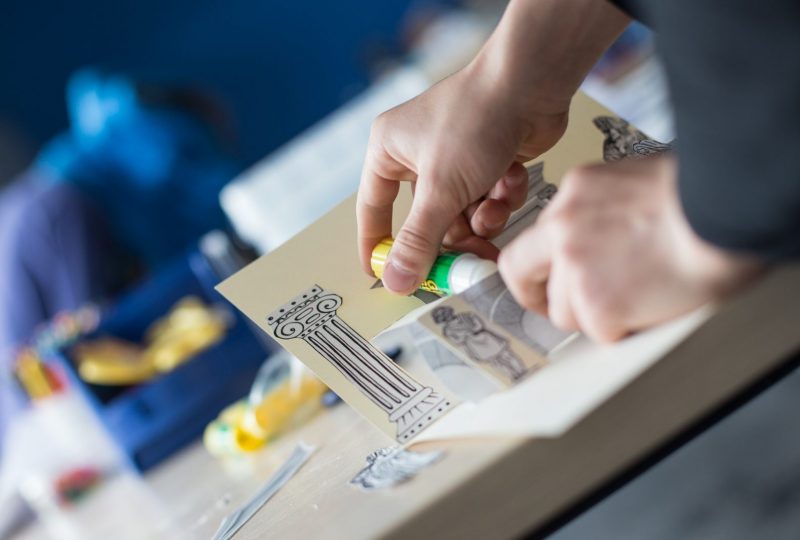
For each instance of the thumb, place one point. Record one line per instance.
(417, 244)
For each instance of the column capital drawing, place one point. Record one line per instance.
(312, 316)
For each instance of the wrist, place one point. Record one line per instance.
(541, 51)
(527, 93)
(713, 269)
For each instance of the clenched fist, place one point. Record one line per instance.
(613, 253)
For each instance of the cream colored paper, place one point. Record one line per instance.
(311, 295)
(481, 344)
(330, 310)
(580, 377)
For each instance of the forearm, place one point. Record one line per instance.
(542, 49)
(735, 93)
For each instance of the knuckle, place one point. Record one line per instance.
(574, 249)
(380, 122)
(600, 334)
(508, 270)
(603, 303)
(414, 240)
(558, 318)
(379, 127)
(580, 175)
(513, 278)
(566, 208)
(511, 265)
(527, 296)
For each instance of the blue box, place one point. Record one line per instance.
(153, 420)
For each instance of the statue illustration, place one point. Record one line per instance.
(468, 331)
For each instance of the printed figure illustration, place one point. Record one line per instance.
(462, 379)
(387, 467)
(312, 317)
(624, 141)
(481, 344)
(492, 299)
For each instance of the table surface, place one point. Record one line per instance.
(487, 488)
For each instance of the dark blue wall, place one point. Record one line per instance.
(280, 65)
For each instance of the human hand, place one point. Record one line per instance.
(461, 145)
(613, 253)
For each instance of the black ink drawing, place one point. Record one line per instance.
(464, 380)
(625, 141)
(539, 195)
(387, 467)
(467, 331)
(312, 317)
(492, 299)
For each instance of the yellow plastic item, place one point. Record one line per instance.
(379, 255)
(32, 374)
(288, 405)
(189, 328)
(219, 436)
(241, 428)
(112, 361)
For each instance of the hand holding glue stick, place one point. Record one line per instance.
(451, 273)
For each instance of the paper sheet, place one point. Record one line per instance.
(313, 298)
(581, 376)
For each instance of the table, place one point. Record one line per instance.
(505, 488)
(496, 488)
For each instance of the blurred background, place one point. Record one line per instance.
(148, 150)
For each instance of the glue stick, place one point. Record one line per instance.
(451, 273)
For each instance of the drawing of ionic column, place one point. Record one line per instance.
(312, 317)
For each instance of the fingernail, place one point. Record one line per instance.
(398, 279)
(515, 180)
(499, 222)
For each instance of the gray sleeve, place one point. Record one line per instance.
(734, 76)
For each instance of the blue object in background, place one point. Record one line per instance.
(153, 169)
(151, 421)
(280, 66)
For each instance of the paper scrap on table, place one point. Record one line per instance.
(231, 524)
(389, 467)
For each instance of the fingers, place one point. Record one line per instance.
(417, 244)
(377, 192)
(458, 232)
(479, 246)
(374, 203)
(513, 187)
(508, 194)
(525, 267)
(490, 217)
(542, 280)
(559, 296)
(598, 325)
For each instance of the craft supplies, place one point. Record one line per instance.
(231, 524)
(282, 397)
(451, 273)
(189, 328)
(389, 467)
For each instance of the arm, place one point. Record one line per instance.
(734, 76)
(461, 142)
